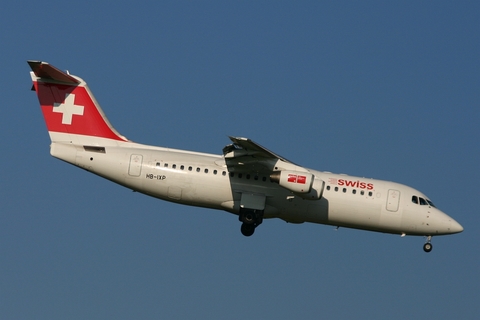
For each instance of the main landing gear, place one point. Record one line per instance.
(247, 229)
(250, 219)
(427, 247)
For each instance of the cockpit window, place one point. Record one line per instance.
(423, 202)
(415, 199)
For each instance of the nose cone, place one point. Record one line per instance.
(455, 227)
(441, 223)
(448, 225)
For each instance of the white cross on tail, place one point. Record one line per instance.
(68, 108)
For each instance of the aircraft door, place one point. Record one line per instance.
(393, 199)
(135, 167)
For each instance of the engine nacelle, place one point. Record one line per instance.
(298, 182)
(303, 184)
(316, 191)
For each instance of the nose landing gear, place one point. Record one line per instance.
(427, 247)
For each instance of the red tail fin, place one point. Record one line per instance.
(68, 106)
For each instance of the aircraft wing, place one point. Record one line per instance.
(248, 155)
(244, 155)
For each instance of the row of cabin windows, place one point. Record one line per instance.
(224, 173)
(417, 200)
(354, 191)
(190, 168)
(247, 176)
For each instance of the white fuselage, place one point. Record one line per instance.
(201, 179)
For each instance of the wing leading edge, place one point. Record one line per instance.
(244, 147)
(246, 155)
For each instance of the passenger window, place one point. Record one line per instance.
(214, 171)
(232, 174)
(206, 170)
(248, 176)
(174, 166)
(336, 188)
(240, 175)
(370, 194)
(198, 169)
(224, 173)
(264, 179)
(166, 165)
(182, 167)
(354, 191)
(415, 199)
(158, 164)
(362, 192)
(344, 190)
(328, 187)
(190, 168)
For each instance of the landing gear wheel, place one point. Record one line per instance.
(247, 229)
(249, 218)
(427, 247)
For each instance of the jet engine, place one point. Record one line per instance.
(299, 182)
(304, 184)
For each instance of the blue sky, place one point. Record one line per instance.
(376, 89)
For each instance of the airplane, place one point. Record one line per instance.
(247, 180)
